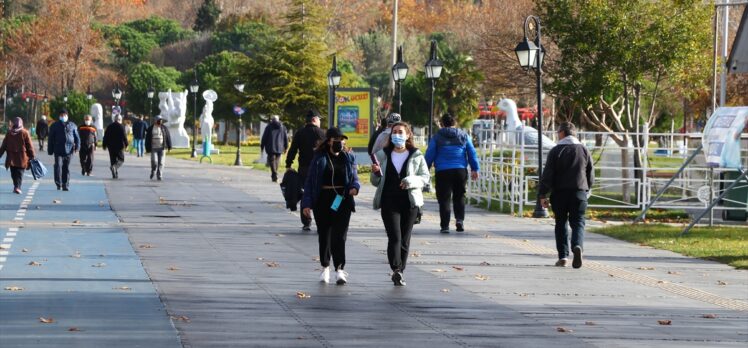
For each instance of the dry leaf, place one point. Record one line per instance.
(458, 268)
(426, 243)
(416, 254)
(3, 248)
(100, 264)
(523, 295)
(481, 277)
(268, 243)
(486, 236)
(563, 329)
(56, 201)
(664, 322)
(484, 263)
(438, 270)
(302, 295)
(644, 268)
(673, 272)
(74, 329)
(316, 258)
(719, 282)
(183, 318)
(145, 246)
(272, 264)
(13, 288)
(590, 323)
(445, 290)
(49, 320)
(24, 250)
(526, 240)
(709, 316)
(172, 268)
(260, 258)
(76, 221)
(123, 288)
(280, 235)
(34, 263)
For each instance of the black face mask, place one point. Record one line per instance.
(337, 146)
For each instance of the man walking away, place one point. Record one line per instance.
(450, 151)
(138, 135)
(157, 139)
(63, 142)
(568, 176)
(274, 143)
(42, 130)
(305, 141)
(115, 140)
(87, 134)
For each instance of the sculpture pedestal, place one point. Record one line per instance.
(179, 138)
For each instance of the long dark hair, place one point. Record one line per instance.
(408, 143)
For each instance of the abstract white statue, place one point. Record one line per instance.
(97, 112)
(173, 106)
(206, 121)
(513, 124)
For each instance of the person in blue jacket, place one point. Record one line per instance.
(63, 142)
(450, 151)
(331, 184)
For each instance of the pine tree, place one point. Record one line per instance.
(207, 16)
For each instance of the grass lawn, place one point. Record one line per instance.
(727, 245)
(249, 153)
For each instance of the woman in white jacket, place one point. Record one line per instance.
(399, 178)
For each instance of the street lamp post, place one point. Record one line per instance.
(150, 94)
(531, 55)
(333, 81)
(239, 86)
(399, 73)
(433, 71)
(28, 108)
(65, 99)
(89, 95)
(194, 87)
(116, 94)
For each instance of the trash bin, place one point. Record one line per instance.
(739, 193)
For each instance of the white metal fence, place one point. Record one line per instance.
(508, 174)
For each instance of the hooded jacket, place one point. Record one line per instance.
(416, 178)
(568, 167)
(115, 138)
(63, 138)
(18, 148)
(274, 139)
(451, 148)
(42, 128)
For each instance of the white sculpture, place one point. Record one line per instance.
(206, 120)
(173, 106)
(97, 112)
(513, 124)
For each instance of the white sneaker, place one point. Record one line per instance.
(342, 277)
(324, 277)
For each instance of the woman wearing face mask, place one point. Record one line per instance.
(330, 186)
(87, 133)
(17, 143)
(402, 175)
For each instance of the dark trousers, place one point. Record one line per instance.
(450, 186)
(16, 173)
(116, 157)
(332, 228)
(41, 143)
(273, 160)
(87, 157)
(62, 170)
(302, 176)
(569, 206)
(398, 217)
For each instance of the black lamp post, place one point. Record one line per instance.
(531, 55)
(433, 71)
(150, 94)
(333, 81)
(399, 73)
(194, 87)
(28, 108)
(239, 86)
(65, 100)
(116, 94)
(89, 95)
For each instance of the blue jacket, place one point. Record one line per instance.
(313, 183)
(138, 129)
(63, 139)
(451, 148)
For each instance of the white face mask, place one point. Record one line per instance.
(63, 118)
(88, 122)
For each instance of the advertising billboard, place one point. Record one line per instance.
(722, 137)
(354, 109)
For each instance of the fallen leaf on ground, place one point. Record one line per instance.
(56, 201)
(74, 329)
(526, 240)
(523, 295)
(183, 318)
(34, 263)
(260, 258)
(709, 316)
(664, 322)
(123, 288)
(13, 288)
(272, 264)
(426, 243)
(416, 254)
(268, 243)
(280, 235)
(563, 329)
(100, 264)
(438, 270)
(3, 248)
(49, 320)
(589, 323)
(673, 272)
(172, 268)
(76, 221)
(661, 282)
(145, 246)
(458, 268)
(644, 268)
(484, 263)
(316, 258)
(481, 277)
(486, 236)
(445, 290)
(24, 250)
(302, 295)
(719, 282)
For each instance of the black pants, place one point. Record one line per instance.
(62, 170)
(116, 157)
(41, 143)
(273, 160)
(306, 221)
(332, 228)
(16, 173)
(398, 217)
(569, 206)
(450, 186)
(87, 156)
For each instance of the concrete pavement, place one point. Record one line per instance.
(233, 269)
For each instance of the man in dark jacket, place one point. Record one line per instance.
(138, 135)
(115, 140)
(63, 141)
(304, 142)
(157, 139)
(274, 143)
(42, 129)
(568, 176)
(87, 134)
(450, 151)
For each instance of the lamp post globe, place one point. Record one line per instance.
(333, 81)
(433, 71)
(399, 73)
(239, 86)
(194, 88)
(89, 95)
(150, 93)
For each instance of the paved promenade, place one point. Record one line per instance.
(209, 257)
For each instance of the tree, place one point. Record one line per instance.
(246, 36)
(145, 75)
(207, 16)
(78, 105)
